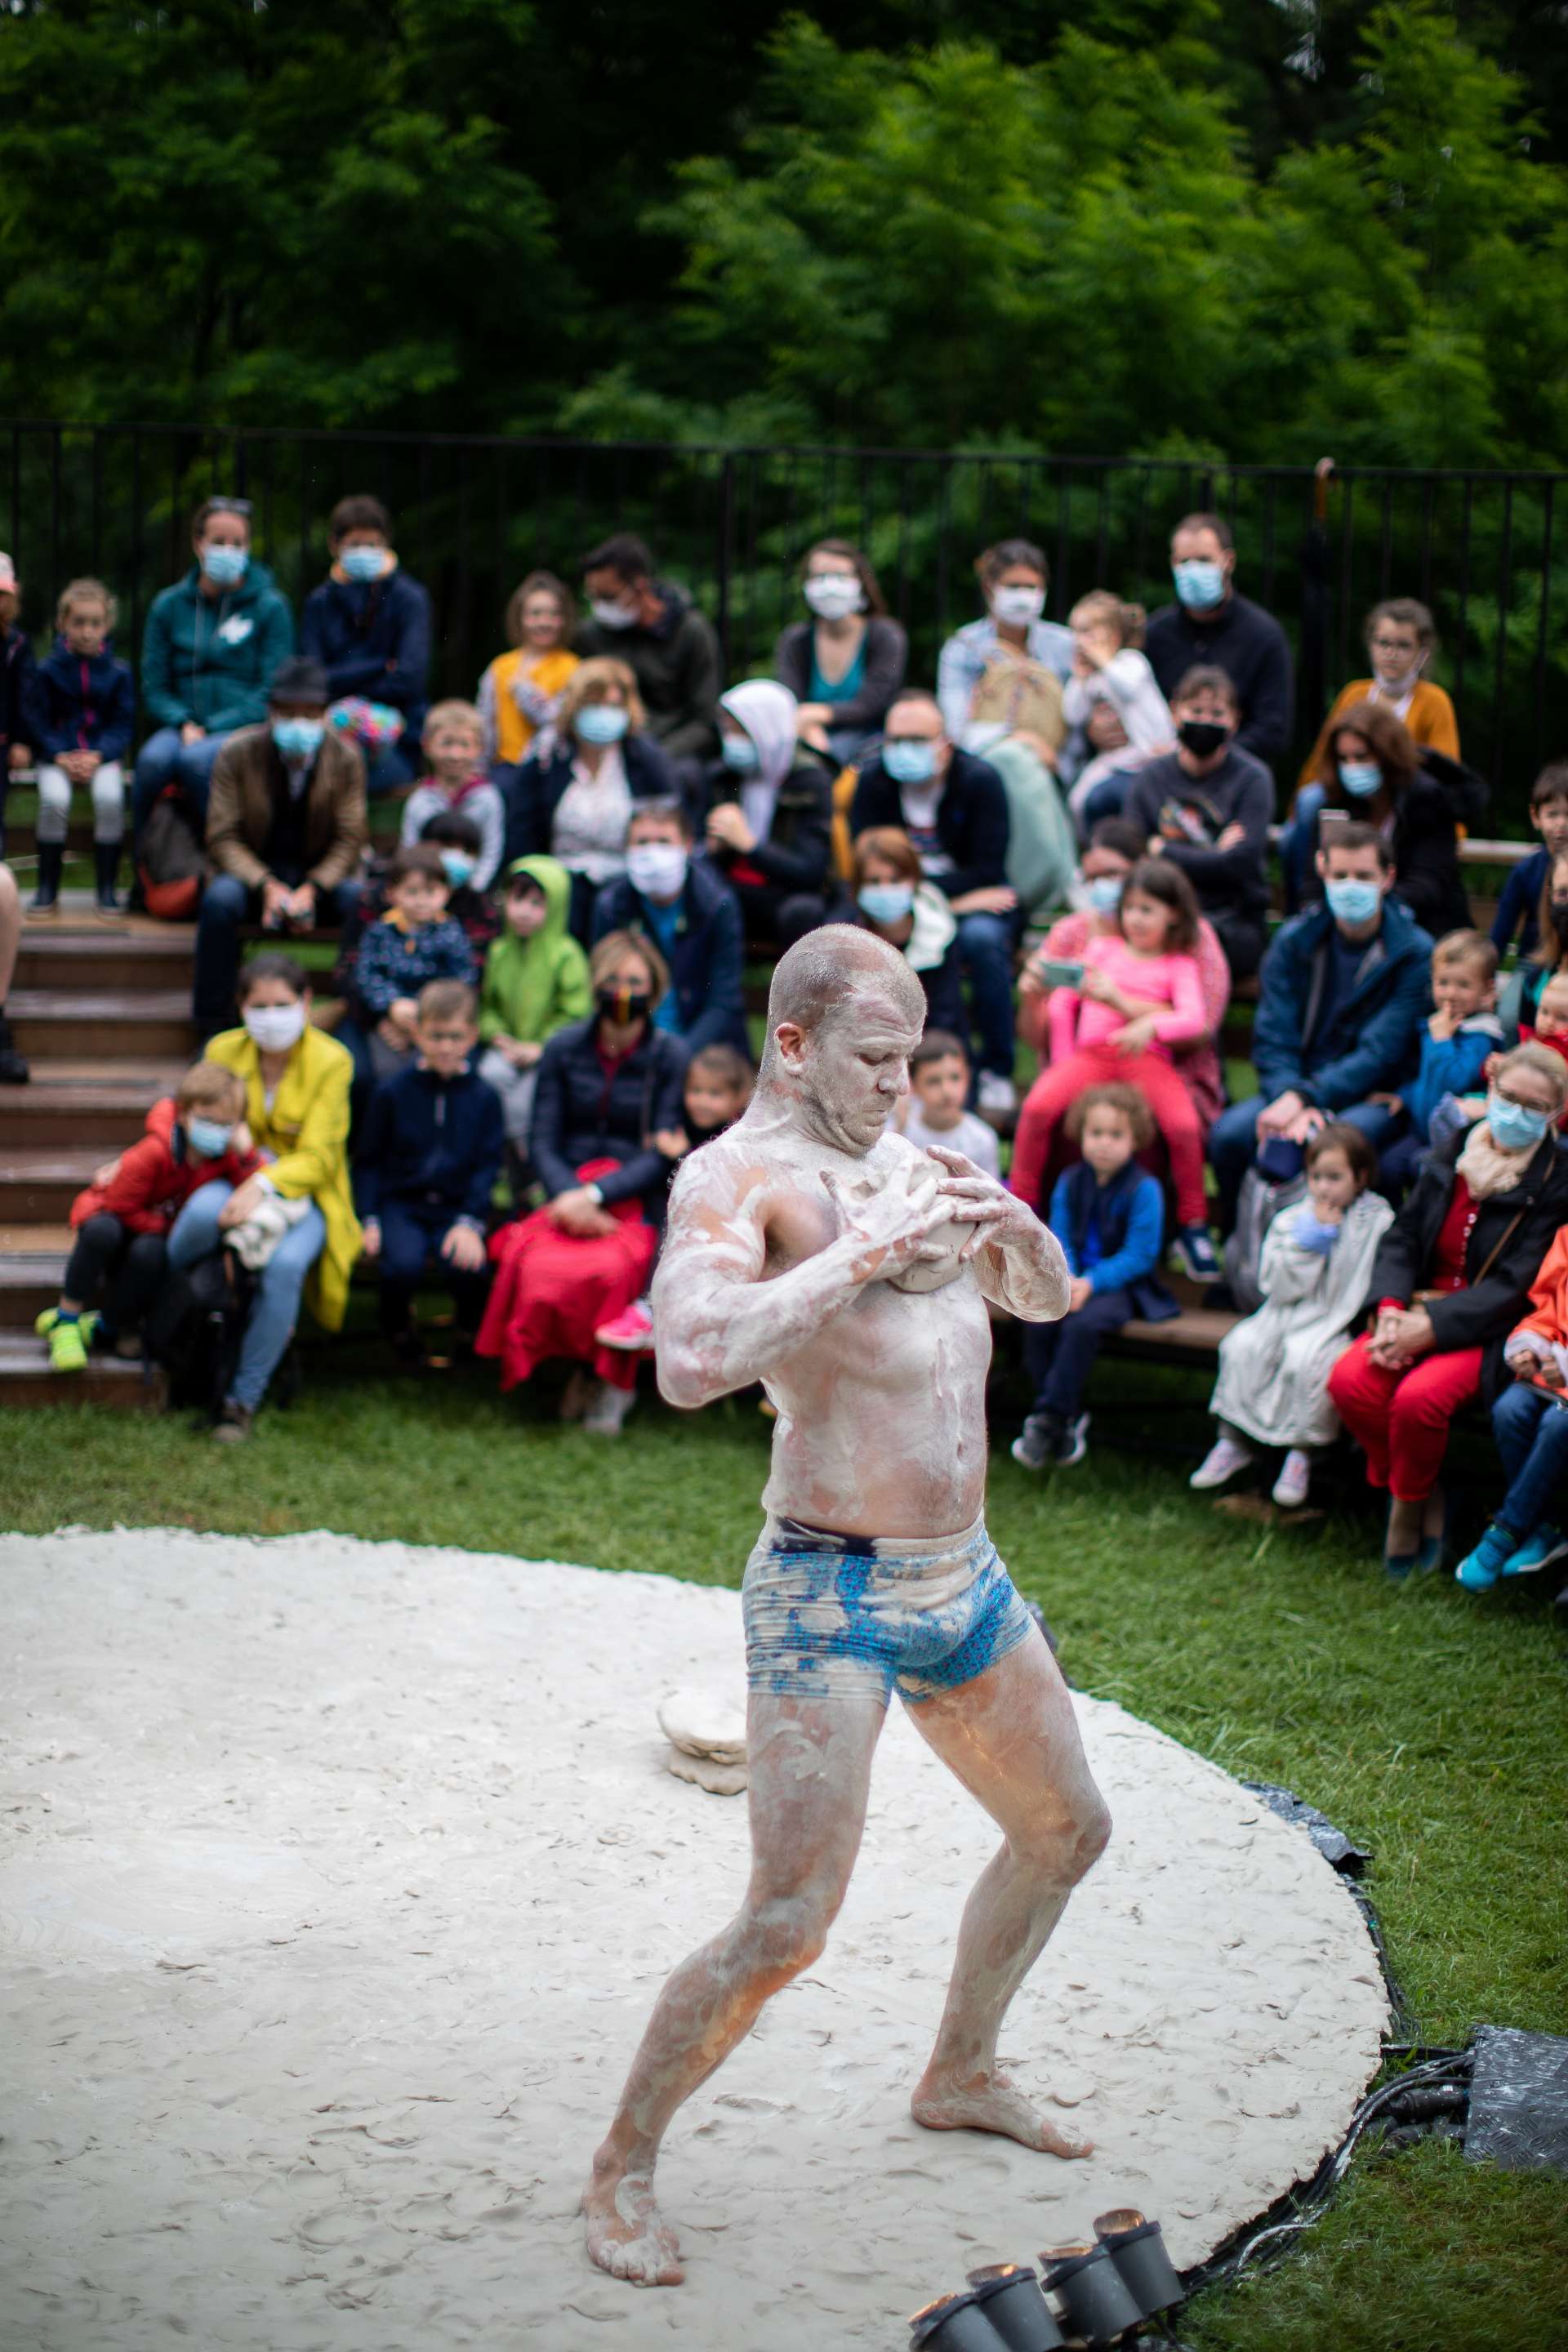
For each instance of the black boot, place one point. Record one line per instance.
(12, 1069)
(51, 860)
(106, 866)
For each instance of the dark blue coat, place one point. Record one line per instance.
(972, 821)
(372, 641)
(533, 791)
(20, 718)
(579, 1113)
(704, 956)
(1079, 1199)
(434, 1143)
(85, 705)
(1372, 1040)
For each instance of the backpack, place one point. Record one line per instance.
(194, 1329)
(172, 865)
(1258, 1204)
(1016, 693)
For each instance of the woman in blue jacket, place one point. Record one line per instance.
(211, 645)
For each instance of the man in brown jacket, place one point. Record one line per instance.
(286, 830)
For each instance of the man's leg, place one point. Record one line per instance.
(1011, 1737)
(155, 764)
(194, 765)
(809, 1767)
(1233, 1141)
(223, 908)
(985, 952)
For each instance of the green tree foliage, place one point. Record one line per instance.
(1126, 226)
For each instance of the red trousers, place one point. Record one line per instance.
(1401, 1419)
(1175, 1116)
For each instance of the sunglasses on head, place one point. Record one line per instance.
(228, 506)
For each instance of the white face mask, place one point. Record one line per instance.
(611, 616)
(834, 595)
(1016, 607)
(276, 1027)
(656, 868)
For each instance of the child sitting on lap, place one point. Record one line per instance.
(427, 1165)
(122, 1224)
(1107, 1214)
(932, 1112)
(1274, 1368)
(717, 1090)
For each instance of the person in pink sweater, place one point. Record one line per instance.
(1140, 994)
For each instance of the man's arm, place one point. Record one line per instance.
(1018, 1262)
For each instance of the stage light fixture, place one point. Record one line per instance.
(1137, 2248)
(1011, 2297)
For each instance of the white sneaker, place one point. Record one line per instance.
(1295, 1477)
(1224, 1457)
(608, 1410)
(996, 1096)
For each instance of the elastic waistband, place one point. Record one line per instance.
(910, 1551)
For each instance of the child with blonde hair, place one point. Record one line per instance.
(455, 752)
(1109, 667)
(86, 711)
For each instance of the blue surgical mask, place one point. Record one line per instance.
(909, 760)
(739, 752)
(225, 566)
(1361, 777)
(1104, 893)
(600, 722)
(1515, 1128)
(887, 902)
(298, 739)
(1200, 582)
(364, 563)
(209, 1138)
(458, 867)
(1353, 902)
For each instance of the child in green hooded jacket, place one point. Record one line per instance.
(535, 982)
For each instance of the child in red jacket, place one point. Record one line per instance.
(122, 1223)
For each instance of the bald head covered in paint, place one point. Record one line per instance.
(845, 1014)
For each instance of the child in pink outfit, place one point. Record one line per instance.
(1141, 993)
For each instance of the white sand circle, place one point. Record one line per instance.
(339, 1878)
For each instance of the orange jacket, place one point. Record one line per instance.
(1547, 1313)
(1430, 720)
(150, 1184)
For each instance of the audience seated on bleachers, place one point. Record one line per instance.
(535, 982)
(1109, 672)
(1423, 801)
(520, 691)
(844, 664)
(18, 682)
(684, 905)
(1399, 639)
(368, 624)
(86, 716)
(1212, 626)
(210, 650)
(425, 1167)
(671, 648)
(892, 898)
(1207, 807)
(572, 797)
(1342, 997)
(454, 753)
(1517, 918)
(768, 821)
(285, 832)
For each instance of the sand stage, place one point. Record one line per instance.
(339, 1878)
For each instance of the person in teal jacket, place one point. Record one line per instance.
(211, 644)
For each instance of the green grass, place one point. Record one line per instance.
(1428, 1727)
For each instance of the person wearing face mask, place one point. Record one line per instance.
(671, 647)
(368, 624)
(1212, 624)
(1344, 991)
(1207, 807)
(893, 898)
(535, 982)
(121, 1221)
(574, 795)
(209, 650)
(769, 825)
(683, 904)
(846, 664)
(295, 1081)
(286, 831)
(1401, 639)
(1013, 636)
(606, 1087)
(1451, 1282)
(1373, 769)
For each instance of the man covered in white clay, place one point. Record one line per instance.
(812, 1249)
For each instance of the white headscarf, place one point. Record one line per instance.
(766, 711)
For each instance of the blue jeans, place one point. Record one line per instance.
(1531, 1435)
(1233, 1145)
(227, 904)
(195, 1235)
(1061, 1356)
(165, 760)
(985, 952)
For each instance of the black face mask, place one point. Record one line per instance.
(623, 1005)
(1202, 737)
(1560, 917)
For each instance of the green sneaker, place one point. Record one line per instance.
(67, 1341)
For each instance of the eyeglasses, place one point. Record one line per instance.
(1392, 645)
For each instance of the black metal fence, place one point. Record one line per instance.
(472, 514)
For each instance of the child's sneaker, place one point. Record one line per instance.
(68, 1340)
(1035, 1443)
(606, 1414)
(1224, 1457)
(1480, 1570)
(1073, 1442)
(632, 1328)
(1539, 1550)
(1196, 1252)
(1295, 1477)
(232, 1424)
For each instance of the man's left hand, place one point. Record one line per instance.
(464, 1248)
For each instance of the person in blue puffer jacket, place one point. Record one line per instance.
(86, 709)
(368, 624)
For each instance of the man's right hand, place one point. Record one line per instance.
(1279, 1116)
(891, 1223)
(191, 733)
(275, 898)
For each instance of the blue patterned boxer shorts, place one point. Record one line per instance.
(829, 1615)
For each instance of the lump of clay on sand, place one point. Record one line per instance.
(704, 1723)
(722, 1779)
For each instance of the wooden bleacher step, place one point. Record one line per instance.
(103, 1105)
(53, 1022)
(30, 1279)
(27, 1378)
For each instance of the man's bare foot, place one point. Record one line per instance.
(627, 2235)
(989, 2102)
